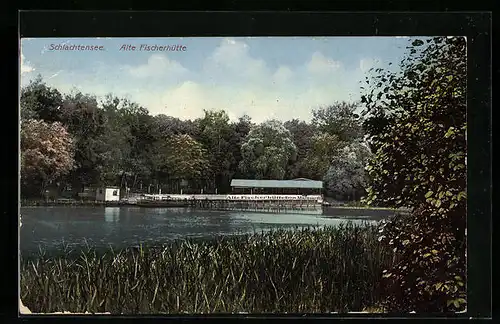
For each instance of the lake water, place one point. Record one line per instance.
(51, 228)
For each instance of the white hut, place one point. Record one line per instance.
(107, 194)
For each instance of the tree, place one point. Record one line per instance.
(302, 136)
(339, 119)
(215, 133)
(324, 148)
(240, 130)
(417, 125)
(166, 126)
(86, 123)
(46, 153)
(180, 158)
(38, 101)
(346, 175)
(267, 150)
(138, 167)
(116, 140)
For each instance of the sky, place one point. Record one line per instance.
(264, 77)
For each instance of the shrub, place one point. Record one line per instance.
(417, 127)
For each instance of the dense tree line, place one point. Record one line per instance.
(116, 142)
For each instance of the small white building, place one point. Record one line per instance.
(107, 194)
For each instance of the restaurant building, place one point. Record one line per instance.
(299, 186)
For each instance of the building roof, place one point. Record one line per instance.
(296, 184)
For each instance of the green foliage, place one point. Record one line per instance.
(300, 271)
(240, 130)
(181, 157)
(338, 155)
(38, 101)
(215, 134)
(417, 126)
(86, 122)
(117, 142)
(340, 120)
(346, 175)
(324, 148)
(267, 150)
(302, 135)
(430, 275)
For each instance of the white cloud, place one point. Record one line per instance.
(320, 64)
(188, 100)
(26, 66)
(282, 75)
(185, 101)
(233, 56)
(231, 78)
(157, 65)
(265, 93)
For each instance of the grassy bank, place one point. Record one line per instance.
(310, 270)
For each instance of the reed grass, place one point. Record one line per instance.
(330, 269)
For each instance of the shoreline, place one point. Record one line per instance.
(76, 204)
(352, 211)
(346, 212)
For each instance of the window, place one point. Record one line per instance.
(115, 192)
(100, 191)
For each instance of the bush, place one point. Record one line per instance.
(430, 275)
(417, 127)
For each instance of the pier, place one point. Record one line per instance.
(257, 195)
(271, 203)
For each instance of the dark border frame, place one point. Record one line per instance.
(476, 26)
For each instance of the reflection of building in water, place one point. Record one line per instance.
(112, 214)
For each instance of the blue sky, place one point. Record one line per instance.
(264, 77)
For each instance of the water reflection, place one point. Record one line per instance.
(111, 214)
(127, 226)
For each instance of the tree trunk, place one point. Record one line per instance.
(135, 180)
(42, 190)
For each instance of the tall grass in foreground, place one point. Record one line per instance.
(309, 270)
